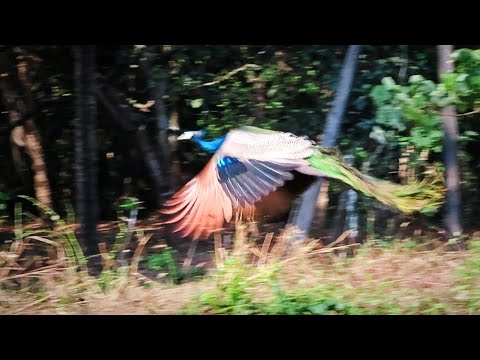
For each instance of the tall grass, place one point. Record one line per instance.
(68, 254)
(253, 276)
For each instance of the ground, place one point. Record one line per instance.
(422, 275)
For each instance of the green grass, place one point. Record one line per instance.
(392, 280)
(383, 277)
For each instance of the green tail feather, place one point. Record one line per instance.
(425, 197)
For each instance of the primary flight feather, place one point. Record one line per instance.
(249, 163)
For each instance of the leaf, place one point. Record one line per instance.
(450, 81)
(462, 77)
(196, 103)
(271, 92)
(361, 153)
(428, 86)
(319, 309)
(415, 79)
(389, 83)
(5, 196)
(401, 96)
(442, 102)
(474, 82)
(378, 134)
(380, 95)
(464, 57)
(470, 133)
(360, 103)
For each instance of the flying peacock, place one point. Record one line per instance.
(250, 162)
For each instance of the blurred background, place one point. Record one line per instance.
(88, 136)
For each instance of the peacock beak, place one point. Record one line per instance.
(188, 135)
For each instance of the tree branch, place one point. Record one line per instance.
(16, 123)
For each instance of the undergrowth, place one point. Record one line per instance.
(382, 277)
(245, 289)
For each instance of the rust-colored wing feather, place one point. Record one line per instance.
(200, 207)
(246, 168)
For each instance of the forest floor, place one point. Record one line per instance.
(406, 276)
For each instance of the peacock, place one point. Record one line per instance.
(249, 162)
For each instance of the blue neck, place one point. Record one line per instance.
(210, 146)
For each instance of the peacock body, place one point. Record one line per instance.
(249, 163)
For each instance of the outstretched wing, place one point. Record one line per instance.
(224, 187)
(253, 162)
(201, 206)
(247, 181)
(246, 168)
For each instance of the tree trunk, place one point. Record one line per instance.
(86, 197)
(338, 222)
(320, 218)
(152, 163)
(351, 216)
(304, 214)
(123, 116)
(158, 89)
(450, 151)
(24, 136)
(346, 217)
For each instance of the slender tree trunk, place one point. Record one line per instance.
(123, 117)
(260, 97)
(158, 90)
(450, 151)
(32, 139)
(152, 163)
(346, 217)
(34, 150)
(351, 216)
(304, 214)
(339, 219)
(85, 154)
(25, 136)
(320, 217)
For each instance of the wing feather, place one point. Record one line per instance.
(201, 206)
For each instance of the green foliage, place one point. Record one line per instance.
(127, 213)
(306, 302)
(129, 203)
(413, 110)
(408, 117)
(394, 104)
(409, 112)
(4, 198)
(114, 275)
(238, 286)
(62, 232)
(165, 262)
(468, 277)
(275, 87)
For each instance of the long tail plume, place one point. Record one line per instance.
(424, 197)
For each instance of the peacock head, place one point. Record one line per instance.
(197, 136)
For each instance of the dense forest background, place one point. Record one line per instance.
(89, 154)
(88, 126)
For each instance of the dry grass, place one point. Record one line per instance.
(377, 280)
(57, 298)
(385, 280)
